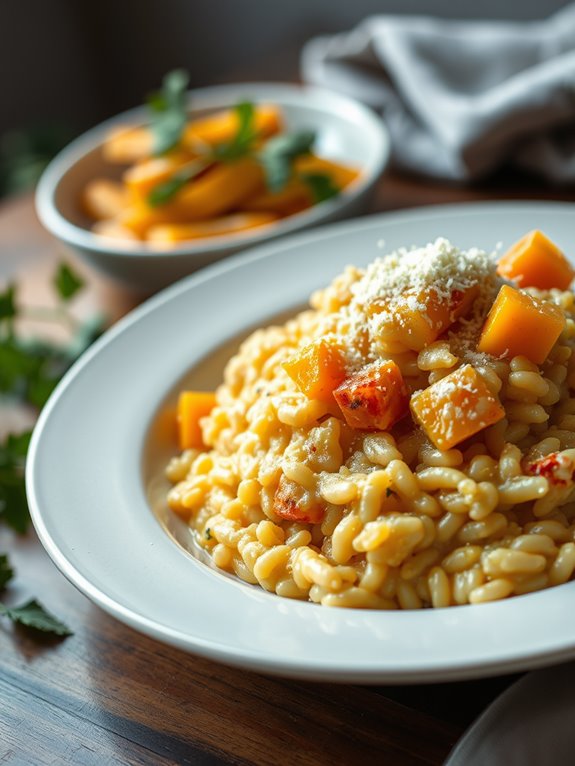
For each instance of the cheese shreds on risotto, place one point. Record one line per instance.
(366, 454)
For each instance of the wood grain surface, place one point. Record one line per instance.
(108, 695)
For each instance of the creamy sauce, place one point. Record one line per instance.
(161, 441)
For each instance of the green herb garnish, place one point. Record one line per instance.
(242, 144)
(29, 371)
(13, 503)
(168, 108)
(7, 303)
(278, 154)
(33, 615)
(67, 283)
(320, 185)
(166, 191)
(208, 533)
(6, 571)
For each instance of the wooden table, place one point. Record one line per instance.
(108, 695)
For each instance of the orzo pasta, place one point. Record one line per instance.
(408, 441)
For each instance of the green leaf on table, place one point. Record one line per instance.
(6, 571)
(40, 389)
(168, 111)
(7, 303)
(242, 143)
(15, 447)
(67, 282)
(33, 615)
(167, 190)
(279, 153)
(29, 370)
(321, 186)
(13, 502)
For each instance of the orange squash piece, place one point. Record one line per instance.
(127, 144)
(145, 175)
(169, 234)
(535, 261)
(102, 199)
(520, 324)
(456, 407)
(192, 406)
(418, 323)
(130, 143)
(341, 175)
(317, 369)
(221, 127)
(374, 398)
(219, 190)
(293, 198)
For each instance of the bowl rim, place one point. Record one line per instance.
(213, 97)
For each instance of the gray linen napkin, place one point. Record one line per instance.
(461, 98)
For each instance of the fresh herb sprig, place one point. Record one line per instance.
(29, 371)
(277, 156)
(244, 139)
(168, 111)
(165, 191)
(31, 614)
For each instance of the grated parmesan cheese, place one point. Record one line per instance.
(399, 284)
(439, 267)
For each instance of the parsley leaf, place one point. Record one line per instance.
(33, 615)
(168, 109)
(7, 303)
(6, 571)
(13, 502)
(242, 143)
(67, 283)
(321, 186)
(29, 371)
(166, 191)
(279, 153)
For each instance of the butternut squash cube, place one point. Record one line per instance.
(520, 324)
(374, 398)
(456, 407)
(192, 406)
(418, 320)
(535, 261)
(317, 369)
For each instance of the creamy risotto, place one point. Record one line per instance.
(408, 441)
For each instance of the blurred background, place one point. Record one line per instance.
(66, 65)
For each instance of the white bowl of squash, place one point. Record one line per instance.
(247, 163)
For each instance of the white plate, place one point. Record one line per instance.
(88, 463)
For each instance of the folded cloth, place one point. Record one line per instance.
(530, 724)
(461, 98)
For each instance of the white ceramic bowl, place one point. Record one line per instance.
(346, 131)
